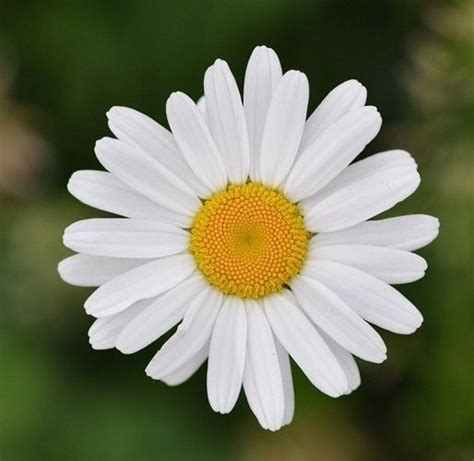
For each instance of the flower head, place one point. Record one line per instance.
(248, 226)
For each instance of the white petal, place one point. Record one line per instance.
(261, 78)
(146, 176)
(338, 320)
(102, 190)
(191, 336)
(332, 151)
(140, 130)
(226, 120)
(299, 337)
(409, 233)
(372, 299)
(183, 373)
(125, 238)
(160, 316)
(347, 362)
(375, 163)
(195, 141)
(283, 127)
(263, 384)
(226, 363)
(285, 368)
(93, 271)
(345, 97)
(104, 332)
(201, 105)
(146, 281)
(387, 264)
(365, 189)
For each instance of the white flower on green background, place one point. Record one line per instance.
(250, 228)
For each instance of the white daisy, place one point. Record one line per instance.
(246, 226)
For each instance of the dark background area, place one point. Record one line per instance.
(64, 64)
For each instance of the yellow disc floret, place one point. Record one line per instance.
(249, 240)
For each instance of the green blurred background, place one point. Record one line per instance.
(64, 64)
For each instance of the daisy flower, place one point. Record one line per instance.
(248, 225)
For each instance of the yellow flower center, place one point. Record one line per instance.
(249, 240)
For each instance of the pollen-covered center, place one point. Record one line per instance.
(249, 240)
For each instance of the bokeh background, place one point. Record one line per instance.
(64, 64)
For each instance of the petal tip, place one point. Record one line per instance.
(61, 268)
(149, 372)
(114, 110)
(173, 97)
(220, 63)
(103, 143)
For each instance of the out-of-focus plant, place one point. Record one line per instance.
(441, 83)
(440, 80)
(24, 154)
(441, 76)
